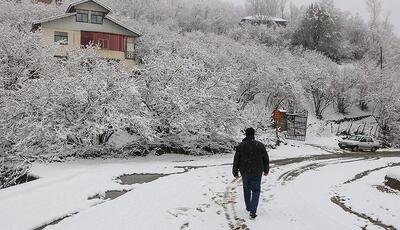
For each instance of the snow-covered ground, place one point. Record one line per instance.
(296, 195)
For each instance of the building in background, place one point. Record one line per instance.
(264, 20)
(58, 2)
(88, 22)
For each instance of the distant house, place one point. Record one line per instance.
(45, 1)
(88, 22)
(49, 1)
(264, 20)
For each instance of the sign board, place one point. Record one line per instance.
(277, 115)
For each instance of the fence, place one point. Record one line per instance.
(296, 126)
(351, 129)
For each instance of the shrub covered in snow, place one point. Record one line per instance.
(12, 173)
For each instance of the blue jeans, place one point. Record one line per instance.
(251, 191)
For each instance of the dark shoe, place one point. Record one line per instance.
(253, 216)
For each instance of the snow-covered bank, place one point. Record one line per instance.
(395, 174)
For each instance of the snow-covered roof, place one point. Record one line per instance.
(84, 1)
(44, 20)
(264, 18)
(123, 25)
(48, 19)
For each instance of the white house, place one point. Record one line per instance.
(88, 22)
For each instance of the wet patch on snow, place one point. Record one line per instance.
(340, 201)
(55, 221)
(367, 172)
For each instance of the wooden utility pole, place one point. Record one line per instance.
(381, 58)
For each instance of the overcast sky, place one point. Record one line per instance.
(356, 6)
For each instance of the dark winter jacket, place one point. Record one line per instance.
(251, 158)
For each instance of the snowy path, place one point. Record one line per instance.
(303, 195)
(319, 192)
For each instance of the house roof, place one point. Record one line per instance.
(264, 18)
(84, 1)
(48, 19)
(52, 18)
(123, 25)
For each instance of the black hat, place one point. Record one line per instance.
(249, 132)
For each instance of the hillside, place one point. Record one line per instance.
(201, 79)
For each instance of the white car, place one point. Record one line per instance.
(359, 142)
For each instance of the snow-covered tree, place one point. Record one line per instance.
(319, 31)
(264, 7)
(68, 113)
(374, 9)
(344, 90)
(282, 7)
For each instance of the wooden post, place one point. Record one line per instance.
(376, 130)
(277, 134)
(338, 130)
(381, 49)
(358, 130)
(365, 123)
(351, 126)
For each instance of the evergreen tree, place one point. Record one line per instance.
(319, 31)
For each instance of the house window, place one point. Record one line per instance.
(96, 17)
(61, 37)
(82, 15)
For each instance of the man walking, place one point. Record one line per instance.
(251, 159)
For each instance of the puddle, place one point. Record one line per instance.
(131, 179)
(128, 179)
